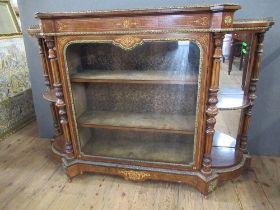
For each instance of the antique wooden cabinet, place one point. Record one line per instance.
(135, 93)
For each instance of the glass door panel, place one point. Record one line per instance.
(137, 104)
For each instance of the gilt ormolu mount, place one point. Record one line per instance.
(134, 93)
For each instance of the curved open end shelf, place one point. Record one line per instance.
(49, 95)
(224, 153)
(232, 99)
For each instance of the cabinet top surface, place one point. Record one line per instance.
(202, 8)
(183, 19)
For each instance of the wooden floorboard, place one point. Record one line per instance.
(31, 179)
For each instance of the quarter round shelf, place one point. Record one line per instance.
(49, 95)
(224, 153)
(232, 99)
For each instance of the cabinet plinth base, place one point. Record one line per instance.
(205, 184)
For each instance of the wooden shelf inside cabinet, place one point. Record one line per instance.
(142, 77)
(149, 122)
(224, 153)
(49, 95)
(231, 99)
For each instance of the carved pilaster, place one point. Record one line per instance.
(57, 130)
(46, 73)
(60, 98)
(43, 60)
(212, 110)
(252, 91)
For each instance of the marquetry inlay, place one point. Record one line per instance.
(228, 20)
(212, 185)
(126, 23)
(203, 21)
(128, 42)
(135, 175)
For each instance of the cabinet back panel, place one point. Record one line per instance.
(142, 98)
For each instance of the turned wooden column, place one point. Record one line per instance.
(212, 110)
(46, 73)
(55, 116)
(60, 104)
(44, 62)
(252, 91)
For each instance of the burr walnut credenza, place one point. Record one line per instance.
(135, 93)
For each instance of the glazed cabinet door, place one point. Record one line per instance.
(136, 103)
